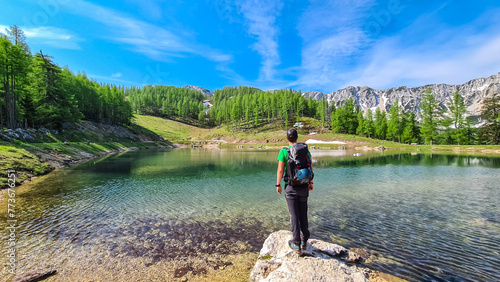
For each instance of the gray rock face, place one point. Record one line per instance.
(277, 262)
(316, 95)
(286, 89)
(473, 92)
(18, 133)
(201, 89)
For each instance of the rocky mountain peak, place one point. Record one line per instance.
(286, 89)
(473, 92)
(314, 94)
(200, 89)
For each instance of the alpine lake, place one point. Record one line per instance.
(167, 214)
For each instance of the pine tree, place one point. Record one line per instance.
(351, 114)
(431, 115)
(411, 131)
(395, 123)
(4, 47)
(380, 124)
(15, 65)
(369, 128)
(446, 134)
(18, 38)
(490, 112)
(361, 124)
(469, 133)
(457, 111)
(55, 104)
(339, 120)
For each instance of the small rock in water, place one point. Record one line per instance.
(354, 257)
(35, 276)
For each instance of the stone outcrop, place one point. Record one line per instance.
(319, 262)
(99, 132)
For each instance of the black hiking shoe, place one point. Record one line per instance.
(294, 247)
(303, 243)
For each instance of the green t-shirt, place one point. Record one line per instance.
(283, 156)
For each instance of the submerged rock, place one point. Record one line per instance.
(35, 276)
(319, 262)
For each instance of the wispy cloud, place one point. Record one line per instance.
(333, 33)
(260, 19)
(116, 75)
(150, 8)
(116, 80)
(56, 37)
(451, 55)
(153, 41)
(340, 49)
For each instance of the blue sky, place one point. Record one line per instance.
(308, 45)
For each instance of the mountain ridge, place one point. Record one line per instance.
(474, 92)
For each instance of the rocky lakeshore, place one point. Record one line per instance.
(35, 152)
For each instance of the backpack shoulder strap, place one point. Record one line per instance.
(289, 152)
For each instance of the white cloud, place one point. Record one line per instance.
(112, 78)
(261, 22)
(56, 37)
(150, 8)
(153, 41)
(116, 75)
(391, 67)
(340, 51)
(450, 55)
(332, 32)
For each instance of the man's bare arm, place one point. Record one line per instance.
(279, 175)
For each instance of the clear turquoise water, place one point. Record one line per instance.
(430, 217)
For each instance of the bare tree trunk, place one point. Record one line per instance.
(8, 99)
(14, 99)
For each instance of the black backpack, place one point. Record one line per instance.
(299, 165)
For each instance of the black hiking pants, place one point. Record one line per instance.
(296, 198)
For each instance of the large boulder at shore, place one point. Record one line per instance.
(319, 262)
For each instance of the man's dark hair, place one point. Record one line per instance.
(291, 135)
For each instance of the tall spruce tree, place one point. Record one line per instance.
(490, 111)
(411, 131)
(457, 110)
(56, 105)
(431, 115)
(380, 124)
(16, 62)
(395, 122)
(361, 124)
(369, 128)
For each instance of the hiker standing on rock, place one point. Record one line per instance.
(295, 167)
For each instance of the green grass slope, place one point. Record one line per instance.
(273, 134)
(169, 129)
